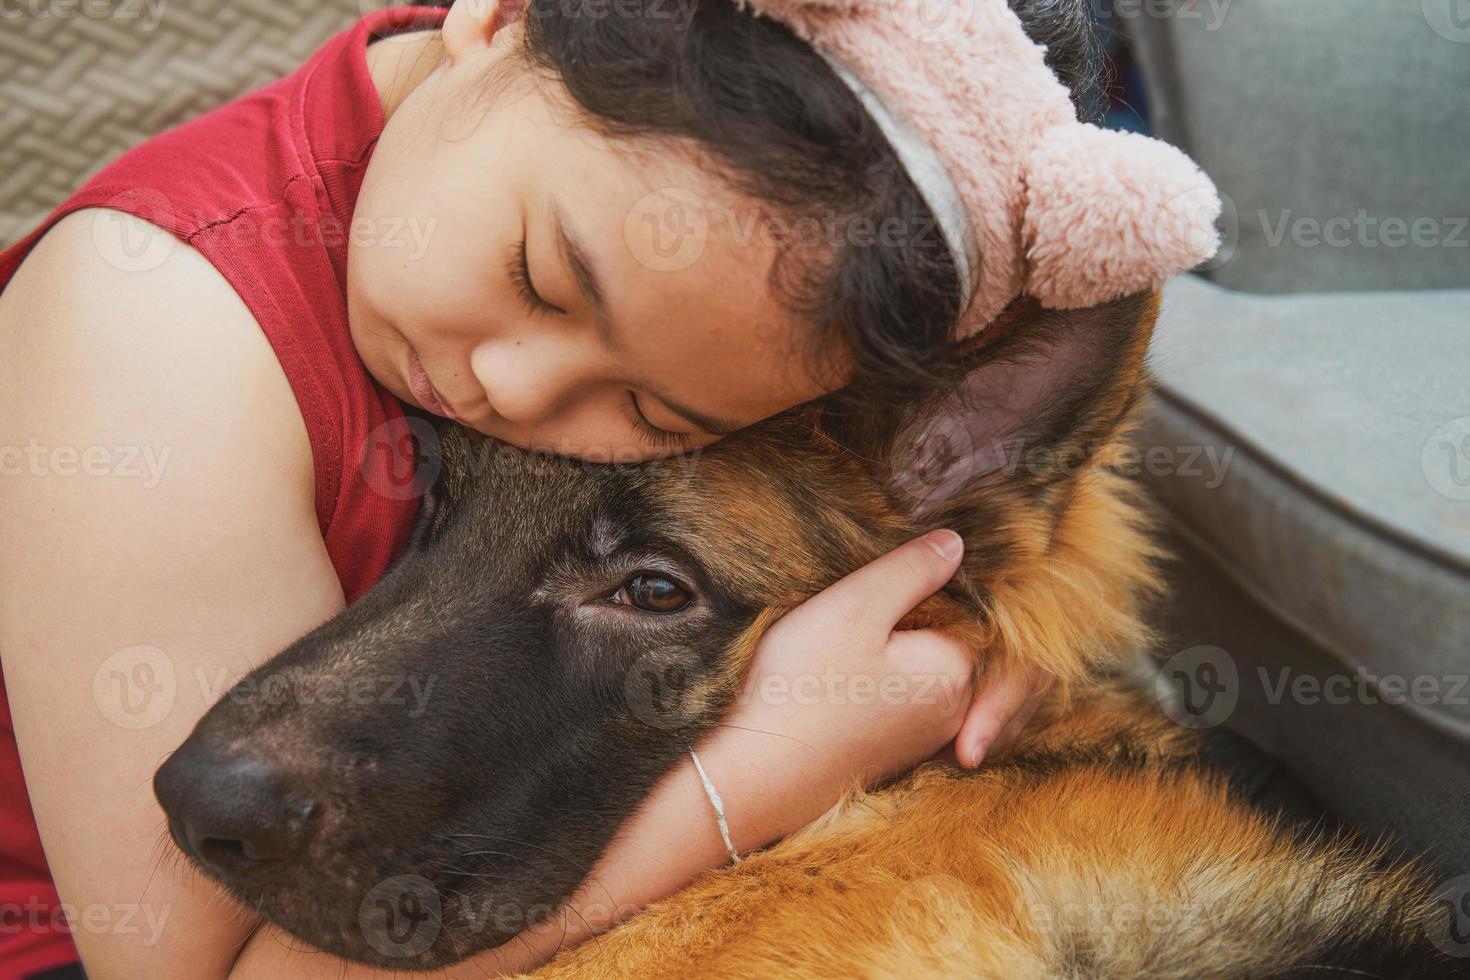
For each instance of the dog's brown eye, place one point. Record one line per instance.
(653, 593)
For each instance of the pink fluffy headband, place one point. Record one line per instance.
(1029, 199)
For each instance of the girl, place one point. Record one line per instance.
(581, 230)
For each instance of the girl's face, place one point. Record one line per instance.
(514, 271)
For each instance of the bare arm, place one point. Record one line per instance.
(157, 540)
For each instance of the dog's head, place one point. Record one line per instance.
(421, 777)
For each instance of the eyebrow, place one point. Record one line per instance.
(585, 275)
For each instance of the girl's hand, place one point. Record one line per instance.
(1003, 704)
(837, 697)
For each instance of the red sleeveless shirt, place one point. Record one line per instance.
(264, 188)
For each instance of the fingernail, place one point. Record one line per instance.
(946, 544)
(976, 755)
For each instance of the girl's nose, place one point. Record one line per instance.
(532, 378)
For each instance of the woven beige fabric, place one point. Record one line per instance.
(83, 80)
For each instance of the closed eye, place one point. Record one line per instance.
(518, 270)
(651, 434)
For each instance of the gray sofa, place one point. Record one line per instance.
(1311, 426)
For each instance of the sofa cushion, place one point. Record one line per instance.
(1334, 128)
(1318, 448)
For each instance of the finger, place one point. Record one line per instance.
(883, 591)
(1009, 734)
(996, 702)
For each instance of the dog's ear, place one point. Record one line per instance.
(1057, 555)
(1034, 405)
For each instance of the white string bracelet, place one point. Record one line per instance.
(719, 806)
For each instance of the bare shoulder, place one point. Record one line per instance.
(111, 310)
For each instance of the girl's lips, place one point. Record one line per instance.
(423, 389)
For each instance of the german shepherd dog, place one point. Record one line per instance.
(1098, 847)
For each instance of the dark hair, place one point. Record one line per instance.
(774, 120)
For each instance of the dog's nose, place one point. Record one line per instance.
(235, 814)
